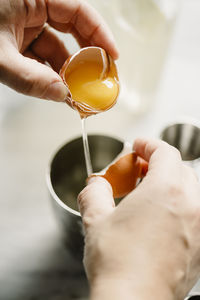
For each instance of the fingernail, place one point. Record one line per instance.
(115, 53)
(96, 178)
(91, 179)
(56, 91)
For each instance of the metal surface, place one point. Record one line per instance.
(193, 296)
(66, 178)
(185, 137)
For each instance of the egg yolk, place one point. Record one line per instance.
(87, 87)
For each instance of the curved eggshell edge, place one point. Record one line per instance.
(123, 175)
(94, 53)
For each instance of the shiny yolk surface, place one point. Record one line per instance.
(87, 87)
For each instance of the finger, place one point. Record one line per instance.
(144, 166)
(69, 28)
(30, 34)
(50, 48)
(164, 159)
(191, 173)
(30, 77)
(30, 54)
(96, 200)
(85, 20)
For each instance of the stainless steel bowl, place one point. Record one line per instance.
(195, 296)
(66, 178)
(185, 137)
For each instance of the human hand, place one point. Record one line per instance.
(27, 43)
(148, 247)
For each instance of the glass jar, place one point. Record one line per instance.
(142, 30)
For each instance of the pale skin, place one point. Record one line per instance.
(148, 247)
(28, 42)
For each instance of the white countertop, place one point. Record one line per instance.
(32, 261)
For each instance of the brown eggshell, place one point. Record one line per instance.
(98, 55)
(124, 174)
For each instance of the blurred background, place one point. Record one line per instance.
(160, 84)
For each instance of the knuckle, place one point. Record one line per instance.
(82, 196)
(82, 200)
(40, 6)
(175, 189)
(87, 221)
(28, 85)
(174, 151)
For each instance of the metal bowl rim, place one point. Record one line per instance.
(181, 121)
(52, 157)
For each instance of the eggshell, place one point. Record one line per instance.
(89, 54)
(124, 174)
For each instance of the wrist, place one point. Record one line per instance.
(108, 288)
(139, 288)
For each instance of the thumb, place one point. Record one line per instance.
(30, 77)
(96, 200)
